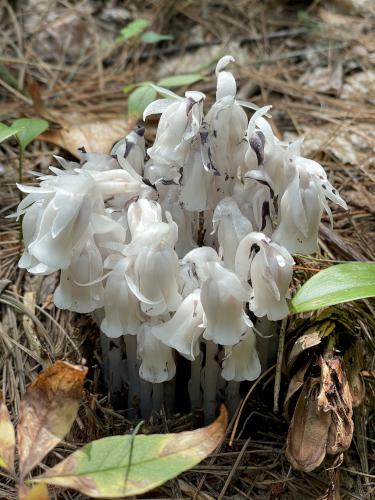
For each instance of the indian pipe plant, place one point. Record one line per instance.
(183, 250)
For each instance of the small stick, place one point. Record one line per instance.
(280, 354)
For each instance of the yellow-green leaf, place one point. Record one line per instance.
(180, 80)
(133, 29)
(122, 466)
(337, 284)
(29, 129)
(7, 132)
(7, 438)
(37, 492)
(153, 37)
(47, 412)
(140, 99)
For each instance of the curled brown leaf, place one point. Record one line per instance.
(47, 412)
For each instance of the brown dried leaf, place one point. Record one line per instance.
(7, 438)
(301, 345)
(308, 431)
(93, 136)
(295, 385)
(47, 411)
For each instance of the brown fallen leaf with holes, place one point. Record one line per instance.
(308, 430)
(338, 400)
(7, 438)
(47, 412)
(95, 135)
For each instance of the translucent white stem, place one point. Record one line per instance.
(134, 384)
(145, 399)
(195, 389)
(211, 372)
(157, 396)
(266, 342)
(232, 397)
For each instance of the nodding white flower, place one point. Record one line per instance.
(196, 191)
(152, 276)
(30, 225)
(226, 123)
(231, 226)
(302, 204)
(179, 124)
(86, 268)
(223, 297)
(69, 203)
(195, 263)
(254, 197)
(122, 314)
(265, 151)
(241, 361)
(183, 219)
(157, 364)
(269, 267)
(132, 148)
(183, 330)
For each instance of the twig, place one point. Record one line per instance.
(280, 354)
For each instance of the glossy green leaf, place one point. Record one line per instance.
(122, 466)
(140, 99)
(153, 37)
(180, 80)
(340, 283)
(7, 132)
(133, 29)
(29, 129)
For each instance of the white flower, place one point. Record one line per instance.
(30, 225)
(183, 330)
(231, 226)
(121, 308)
(241, 361)
(226, 122)
(152, 275)
(157, 359)
(302, 204)
(197, 187)
(269, 267)
(265, 151)
(223, 297)
(69, 203)
(179, 124)
(255, 200)
(132, 148)
(86, 268)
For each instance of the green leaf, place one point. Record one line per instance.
(6, 132)
(152, 37)
(133, 29)
(340, 283)
(131, 86)
(140, 99)
(121, 466)
(180, 80)
(29, 129)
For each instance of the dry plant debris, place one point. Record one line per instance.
(61, 54)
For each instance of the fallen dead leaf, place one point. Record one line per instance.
(308, 430)
(47, 412)
(99, 135)
(37, 492)
(7, 438)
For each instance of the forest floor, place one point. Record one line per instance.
(315, 63)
